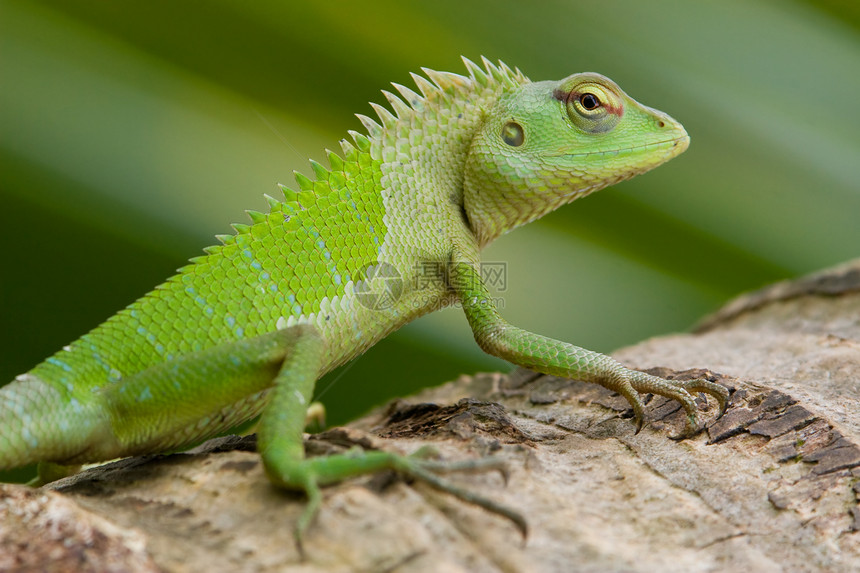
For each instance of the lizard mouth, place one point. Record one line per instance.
(681, 143)
(671, 148)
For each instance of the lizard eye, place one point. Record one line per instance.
(512, 134)
(589, 101)
(594, 104)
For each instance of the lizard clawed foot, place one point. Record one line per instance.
(420, 468)
(633, 382)
(309, 474)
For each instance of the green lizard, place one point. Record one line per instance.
(248, 328)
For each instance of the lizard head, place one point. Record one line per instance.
(545, 144)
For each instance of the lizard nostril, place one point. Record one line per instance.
(661, 123)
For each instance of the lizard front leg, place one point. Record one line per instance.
(549, 356)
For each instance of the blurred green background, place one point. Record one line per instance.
(132, 132)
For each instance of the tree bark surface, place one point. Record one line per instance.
(771, 486)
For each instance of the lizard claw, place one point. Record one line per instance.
(309, 474)
(425, 470)
(623, 386)
(633, 382)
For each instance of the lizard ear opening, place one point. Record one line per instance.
(513, 134)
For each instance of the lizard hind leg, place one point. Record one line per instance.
(281, 446)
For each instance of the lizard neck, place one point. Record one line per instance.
(423, 147)
(496, 207)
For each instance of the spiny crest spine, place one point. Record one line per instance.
(320, 171)
(400, 108)
(305, 183)
(373, 128)
(348, 149)
(256, 216)
(412, 98)
(274, 204)
(476, 72)
(290, 196)
(496, 72)
(424, 86)
(361, 140)
(445, 81)
(388, 119)
(334, 160)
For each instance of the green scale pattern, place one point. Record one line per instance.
(284, 264)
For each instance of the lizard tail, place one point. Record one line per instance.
(38, 423)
